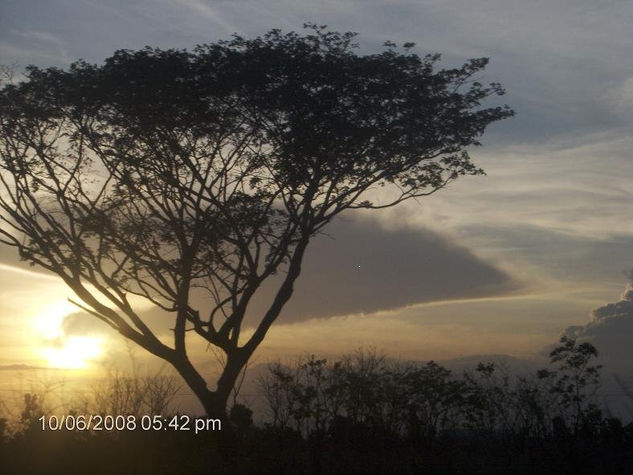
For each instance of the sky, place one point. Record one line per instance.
(497, 264)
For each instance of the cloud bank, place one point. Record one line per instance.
(360, 266)
(610, 331)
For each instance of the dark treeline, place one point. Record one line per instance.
(367, 414)
(364, 414)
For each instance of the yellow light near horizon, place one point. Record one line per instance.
(75, 352)
(60, 350)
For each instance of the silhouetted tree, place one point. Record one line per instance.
(165, 173)
(434, 399)
(574, 382)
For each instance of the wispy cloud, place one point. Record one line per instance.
(209, 12)
(27, 273)
(40, 41)
(580, 187)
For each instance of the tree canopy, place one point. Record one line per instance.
(163, 172)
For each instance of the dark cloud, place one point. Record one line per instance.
(362, 267)
(9, 256)
(359, 267)
(610, 331)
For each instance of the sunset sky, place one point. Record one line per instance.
(498, 264)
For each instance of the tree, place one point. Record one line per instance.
(163, 174)
(574, 382)
(434, 399)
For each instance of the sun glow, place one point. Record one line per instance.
(49, 323)
(61, 350)
(74, 353)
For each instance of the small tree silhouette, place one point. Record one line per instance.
(574, 382)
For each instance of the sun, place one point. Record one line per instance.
(74, 353)
(61, 350)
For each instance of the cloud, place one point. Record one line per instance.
(358, 267)
(610, 331)
(541, 254)
(11, 260)
(20, 367)
(557, 59)
(577, 189)
(210, 13)
(361, 266)
(621, 98)
(82, 323)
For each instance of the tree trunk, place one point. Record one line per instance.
(214, 402)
